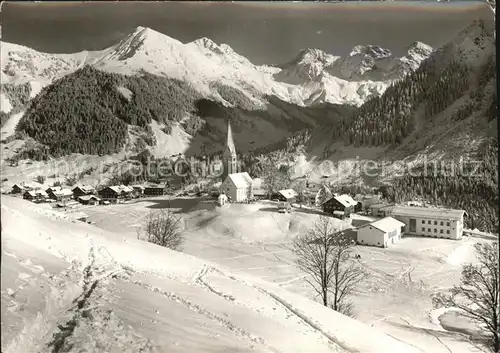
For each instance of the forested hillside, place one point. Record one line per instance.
(472, 186)
(88, 111)
(390, 118)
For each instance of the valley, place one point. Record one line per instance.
(95, 144)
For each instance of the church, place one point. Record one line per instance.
(237, 186)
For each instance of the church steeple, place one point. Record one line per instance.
(229, 157)
(230, 149)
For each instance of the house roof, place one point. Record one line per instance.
(288, 193)
(30, 192)
(88, 197)
(85, 188)
(142, 187)
(345, 200)
(440, 213)
(387, 224)
(240, 180)
(120, 188)
(338, 212)
(54, 188)
(63, 192)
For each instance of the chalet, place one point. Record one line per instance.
(287, 195)
(35, 195)
(381, 233)
(238, 187)
(89, 200)
(342, 203)
(82, 191)
(431, 222)
(380, 209)
(154, 190)
(116, 193)
(59, 194)
(18, 189)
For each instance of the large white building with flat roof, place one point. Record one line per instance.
(431, 222)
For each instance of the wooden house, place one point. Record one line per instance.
(89, 200)
(59, 194)
(18, 189)
(287, 195)
(340, 203)
(82, 191)
(154, 190)
(116, 193)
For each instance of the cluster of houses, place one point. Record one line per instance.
(86, 195)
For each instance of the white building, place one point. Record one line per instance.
(381, 233)
(431, 222)
(238, 187)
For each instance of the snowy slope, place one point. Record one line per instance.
(173, 301)
(201, 62)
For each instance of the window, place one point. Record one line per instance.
(423, 229)
(429, 230)
(441, 231)
(423, 222)
(448, 224)
(442, 223)
(435, 230)
(435, 223)
(447, 231)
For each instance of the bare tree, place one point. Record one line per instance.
(325, 255)
(164, 228)
(478, 295)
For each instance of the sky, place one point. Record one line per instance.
(264, 32)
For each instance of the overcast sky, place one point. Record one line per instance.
(266, 33)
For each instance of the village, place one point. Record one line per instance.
(375, 222)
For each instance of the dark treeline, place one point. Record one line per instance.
(85, 112)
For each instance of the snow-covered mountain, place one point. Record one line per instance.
(305, 80)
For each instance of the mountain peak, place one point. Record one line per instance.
(210, 45)
(373, 51)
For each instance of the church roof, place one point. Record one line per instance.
(230, 142)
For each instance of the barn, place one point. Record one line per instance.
(238, 187)
(381, 233)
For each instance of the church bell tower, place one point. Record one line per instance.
(229, 158)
